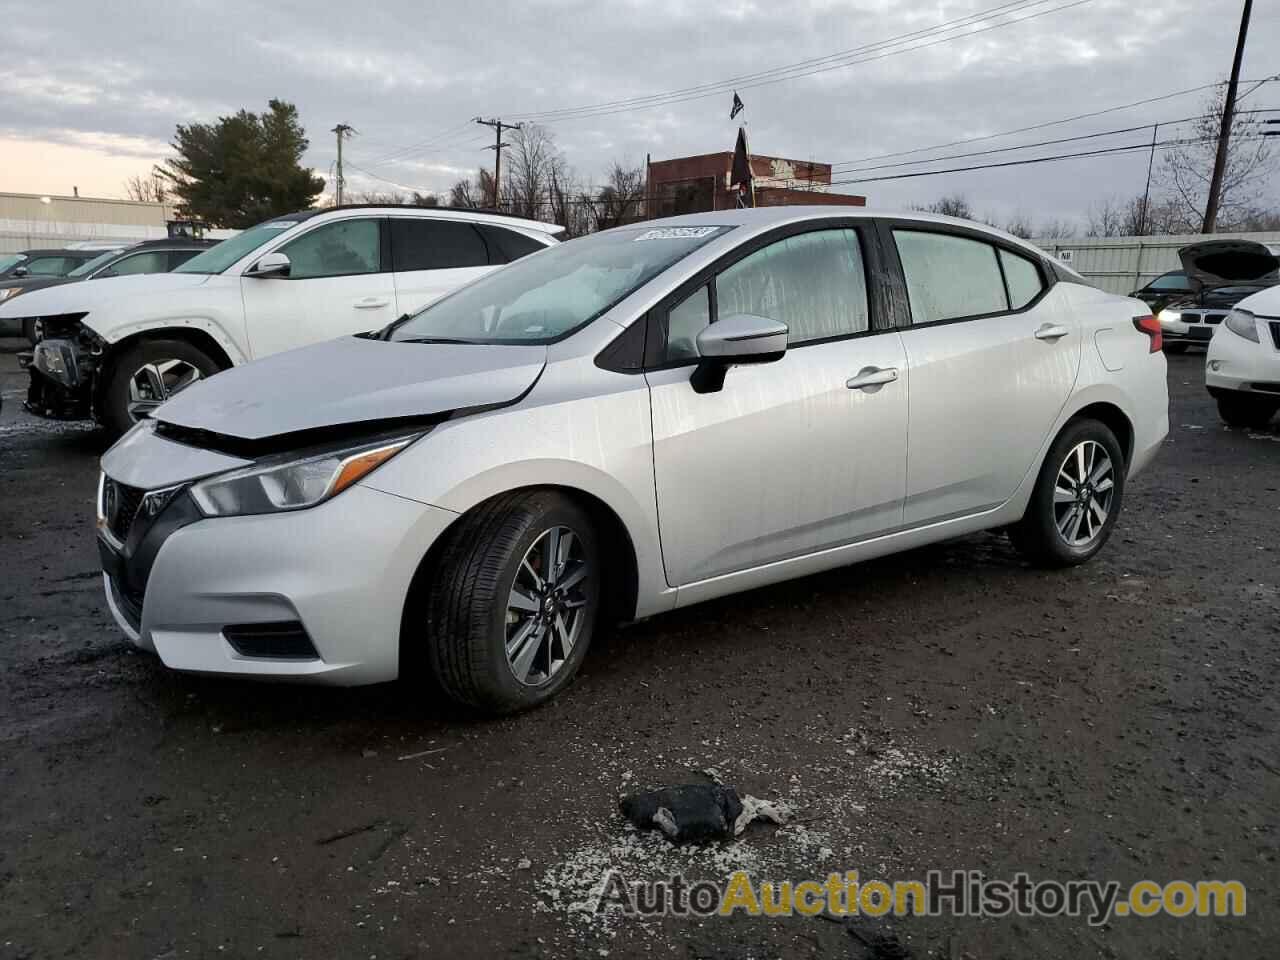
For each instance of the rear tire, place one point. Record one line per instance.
(145, 375)
(1243, 410)
(1077, 497)
(502, 633)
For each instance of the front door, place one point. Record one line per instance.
(337, 285)
(789, 457)
(993, 356)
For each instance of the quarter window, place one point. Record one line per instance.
(420, 244)
(949, 277)
(337, 249)
(507, 245)
(1022, 278)
(813, 282)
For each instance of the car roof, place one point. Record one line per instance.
(475, 214)
(59, 252)
(765, 217)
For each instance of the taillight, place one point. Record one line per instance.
(1151, 327)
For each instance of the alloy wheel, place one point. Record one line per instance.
(154, 383)
(1082, 493)
(547, 606)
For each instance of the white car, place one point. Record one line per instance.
(1242, 367)
(636, 421)
(116, 349)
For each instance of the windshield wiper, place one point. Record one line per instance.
(435, 340)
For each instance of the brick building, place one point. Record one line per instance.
(701, 183)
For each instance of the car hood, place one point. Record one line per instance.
(1265, 303)
(353, 381)
(89, 295)
(30, 284)
(1215, 262)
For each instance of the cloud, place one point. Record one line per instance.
(409, 76)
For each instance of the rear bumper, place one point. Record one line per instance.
(341, 570)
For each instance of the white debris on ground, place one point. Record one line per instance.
(893, 765)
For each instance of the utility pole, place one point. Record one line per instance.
(1146, 194)
(1224, 133)
(498, 127)
(342, 130)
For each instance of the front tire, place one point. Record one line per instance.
(513, 601)
(1076, 500)
(1242, 410)
(147, 374)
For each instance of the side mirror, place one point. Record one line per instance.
(271, 265)
(738, 338)
(20, 271)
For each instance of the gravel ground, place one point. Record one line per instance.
(947, 708)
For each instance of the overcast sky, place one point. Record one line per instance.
(90, 93)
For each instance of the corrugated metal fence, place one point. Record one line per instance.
(1123, 264)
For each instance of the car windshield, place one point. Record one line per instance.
(89, 266)
(11, 260)
(550, 294)
(220, 256)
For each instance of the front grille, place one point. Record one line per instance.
(286, 640)
(120, 504)
(1214, 317)
(1275, 332)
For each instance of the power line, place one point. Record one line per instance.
(401, 152)
(670, 98)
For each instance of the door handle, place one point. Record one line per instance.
(371, 303)
(1051, 332)
(872, 377)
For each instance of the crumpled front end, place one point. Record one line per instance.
(65, 367)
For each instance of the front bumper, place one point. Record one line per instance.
(1236, 364)
(1180, 331)
(341, 571)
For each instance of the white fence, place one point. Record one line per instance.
(1123, 264)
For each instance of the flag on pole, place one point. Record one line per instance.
(738, 106)
(740, 178)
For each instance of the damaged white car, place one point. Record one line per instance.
(115, 349)
(636, 421)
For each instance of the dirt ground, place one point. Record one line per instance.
(948, 708)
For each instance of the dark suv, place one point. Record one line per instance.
(150, 256)
(42, 263)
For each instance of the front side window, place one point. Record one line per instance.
(543, 298)
(1171, 281)
(421, 244)
(92, 266)
(338, 249)
(812, 282)
(949, 277)
(50, 266)
(153, 261)
(1022, 279)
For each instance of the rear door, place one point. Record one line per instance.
(434, 256)
(339, 283)
(993, 356)
(789, 457)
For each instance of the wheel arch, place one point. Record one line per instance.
(1113, 417)
(198, 337)
(622, 584)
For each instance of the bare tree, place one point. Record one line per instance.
(146, 189)
(1056, 230)
(1106, 219)
(1020, 226)
(952, 205)
(530, 163)
(620, 200)
(1187, 167)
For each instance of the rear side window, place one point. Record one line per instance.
(813, 282)
(949, 277)
(419, 244)
(507, 245)
(339, 249)
(1022, 278)
(156, 261)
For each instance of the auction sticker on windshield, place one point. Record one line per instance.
(677, 233)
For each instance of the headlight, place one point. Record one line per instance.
(7, 292)
(56, 359)
(1243, 324)
(1169, 316)
(292, 482)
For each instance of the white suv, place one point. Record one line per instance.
(116, 349)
